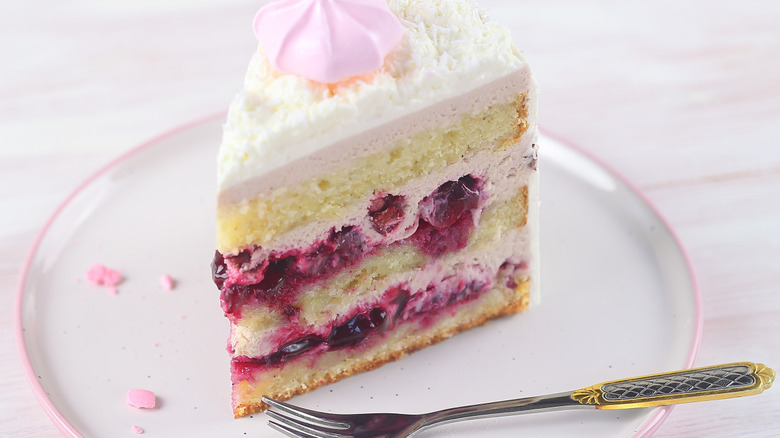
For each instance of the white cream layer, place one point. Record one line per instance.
(448, 48)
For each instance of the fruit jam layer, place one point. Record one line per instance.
(366, 326)
(444, 224)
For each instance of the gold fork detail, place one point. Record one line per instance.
(700, 384)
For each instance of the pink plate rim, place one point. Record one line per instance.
(68, 429)
(56, 416)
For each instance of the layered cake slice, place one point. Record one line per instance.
(377, 189)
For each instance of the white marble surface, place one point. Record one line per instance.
(680, 97)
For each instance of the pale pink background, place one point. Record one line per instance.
(681, 97)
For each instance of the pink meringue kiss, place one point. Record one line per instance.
(327, 41)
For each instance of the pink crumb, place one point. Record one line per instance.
(103, 276)
(141, 398)
(137, 430)
(166, 282)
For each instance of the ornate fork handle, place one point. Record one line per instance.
(708, 383)
(700, 384)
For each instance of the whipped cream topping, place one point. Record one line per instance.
(327, 40)
(448, 47)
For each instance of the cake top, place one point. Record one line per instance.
(447, 47)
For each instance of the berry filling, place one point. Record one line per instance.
(284, 274)
(435, 241)
(511, 272)
(423, 306)
(445, 224)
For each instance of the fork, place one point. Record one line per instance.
(736, 379)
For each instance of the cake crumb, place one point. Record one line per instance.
(137, 430)
(166, 282)
(141, 398)
(100, 275)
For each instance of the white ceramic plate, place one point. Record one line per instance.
(618, 300)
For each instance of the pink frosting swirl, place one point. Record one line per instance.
(327, 41)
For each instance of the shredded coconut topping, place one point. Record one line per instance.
(448, 47)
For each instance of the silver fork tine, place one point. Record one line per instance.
(309, 429)
(290, 432)
(304, 415)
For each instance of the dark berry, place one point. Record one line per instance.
(386, 213)
(293, 349)
(356, 329)
(219, 271)
(447, 204)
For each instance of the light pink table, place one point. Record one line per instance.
(680, 97)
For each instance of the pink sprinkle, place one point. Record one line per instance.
(140, 398)
(166, 282)
(137, 430)
(113, 290)
(103, 276)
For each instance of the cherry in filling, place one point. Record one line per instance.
(219, 270)
(445, 219)
(386, 213)
(447, 203)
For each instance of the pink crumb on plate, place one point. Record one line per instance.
(166, 282)
(137, 430)
(141, 398)
(103, 276)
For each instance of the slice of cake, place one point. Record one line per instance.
(377, 189)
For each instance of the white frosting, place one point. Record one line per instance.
(448, 48)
